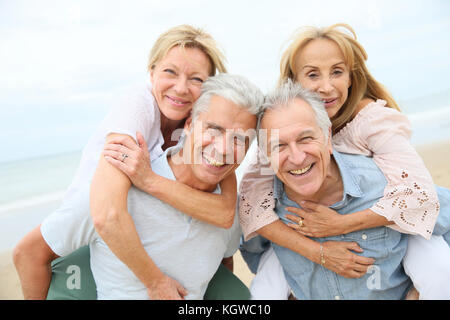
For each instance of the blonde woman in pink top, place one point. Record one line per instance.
(366, 120)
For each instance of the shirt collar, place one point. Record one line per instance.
(349, 179)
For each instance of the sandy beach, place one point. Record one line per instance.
(435, 157)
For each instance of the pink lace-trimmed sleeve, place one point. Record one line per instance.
(256, 201)
(410, 199)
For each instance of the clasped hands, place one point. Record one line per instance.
(318, 221)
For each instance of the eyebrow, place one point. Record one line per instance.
(306, 132)
(314, 67)
(194, 73)
(171, 65)
(212, 125)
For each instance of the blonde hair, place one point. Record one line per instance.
(187, 36)
(363, 84)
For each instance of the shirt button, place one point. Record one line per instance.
(337, 298)
(364, 236)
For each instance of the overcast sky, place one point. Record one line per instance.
(79, 49)
(60, 54)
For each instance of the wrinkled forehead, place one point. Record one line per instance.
(295, 112)
(284, 124)
(224, 114)
(189, 59)
(215, 127)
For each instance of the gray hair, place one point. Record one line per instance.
(235, 88)
(288, 91)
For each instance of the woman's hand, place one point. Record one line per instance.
(316, 220)
(340, 259)
(131, 158)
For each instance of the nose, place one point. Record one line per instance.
(215, 146)
(221, 144)
(296, 155)
(181, 86)
(225, 148)
(325, 86)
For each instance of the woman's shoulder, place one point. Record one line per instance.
(133, 103)
(367, 105)
(373, 116)
(370, 110)
(364, 109)
(138, 97)
(134, 109)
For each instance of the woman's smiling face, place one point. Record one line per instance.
(177, 80)
(320, 67)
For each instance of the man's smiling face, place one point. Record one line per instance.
(297, 148)
(219, 139)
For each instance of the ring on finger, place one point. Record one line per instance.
(300, 223)
(124, 156)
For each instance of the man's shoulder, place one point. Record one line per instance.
(356, 164)
(361, 172)
(354, 161)
(160, 166)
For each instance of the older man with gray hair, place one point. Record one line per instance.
(307, 168)
(185, 249)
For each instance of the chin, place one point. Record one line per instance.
(211, 180)
(332, 113)
(176, 115)
(305, 191)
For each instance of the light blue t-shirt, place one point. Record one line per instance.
(185, 249)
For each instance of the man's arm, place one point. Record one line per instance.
(32, 258)
(108, 203)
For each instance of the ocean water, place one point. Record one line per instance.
(36, 180)
(429, 116)
(31, 186)
(430, 126)
(31, 189)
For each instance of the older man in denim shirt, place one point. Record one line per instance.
(363, 185)
(308, 169)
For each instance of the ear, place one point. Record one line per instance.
(188, 125)
(152, 73)
(330, 137)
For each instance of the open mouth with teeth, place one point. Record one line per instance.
(213, 162)
(302, 171)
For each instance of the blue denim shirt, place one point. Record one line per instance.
(363, 184)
